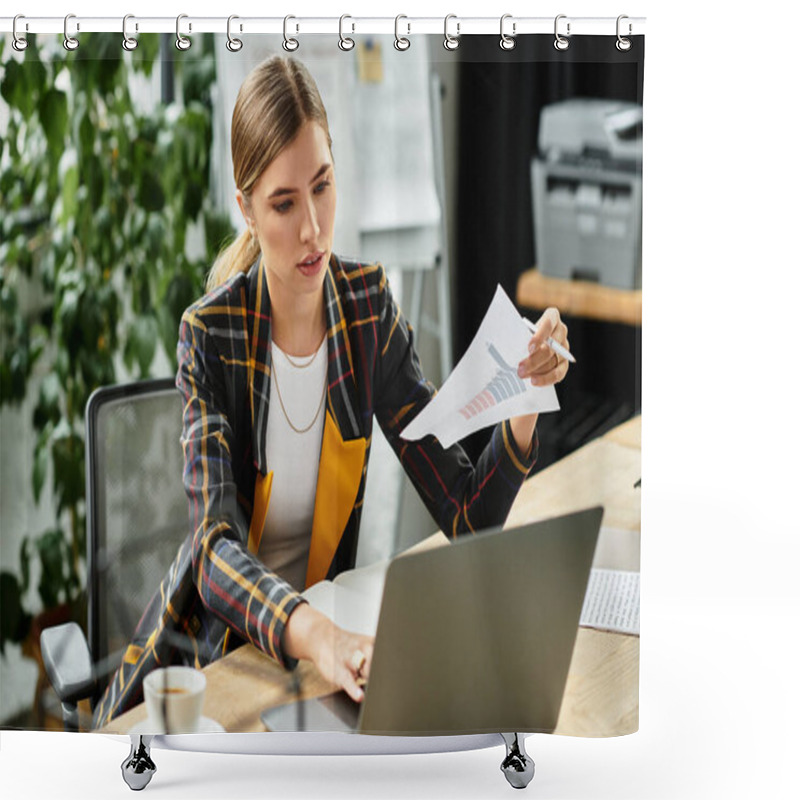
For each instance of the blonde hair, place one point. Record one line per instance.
(276, 99)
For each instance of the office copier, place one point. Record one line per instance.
(587, 192)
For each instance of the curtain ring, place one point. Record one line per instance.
(182, 42)
(507, 42)
(623, 44)
(345, 42)
(400, 42)
(128, 42)
(19, 43)
(561, 43)
(451, 42)
(70, 42)
(233, 45)
(289, 44)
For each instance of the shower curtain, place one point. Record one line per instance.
(458, 171)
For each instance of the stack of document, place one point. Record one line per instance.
(612, 601)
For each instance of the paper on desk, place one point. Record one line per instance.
(612, 601)
(484, 387)
(353, 599)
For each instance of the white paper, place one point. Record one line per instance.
(353, 599)
(612, 601)
(393, 132)
(484, 388)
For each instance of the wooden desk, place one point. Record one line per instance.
(580, 298)
(601, 697)
(601, 694)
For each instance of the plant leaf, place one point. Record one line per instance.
(41, 459)
(53, 115)
(53, 554)
(14, 621)
(69, 482)
(25, 563)
(69, 192)
(141, 344)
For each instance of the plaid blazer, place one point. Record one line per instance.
(217, 594)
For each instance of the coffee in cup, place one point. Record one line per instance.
(174, 697)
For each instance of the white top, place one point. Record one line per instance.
(293, 458)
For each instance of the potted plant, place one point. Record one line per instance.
(97, 198)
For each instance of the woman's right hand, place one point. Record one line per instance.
(342, 657)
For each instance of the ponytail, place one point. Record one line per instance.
(236, 257)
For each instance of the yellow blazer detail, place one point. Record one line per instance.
(260, 507)
(341, 467)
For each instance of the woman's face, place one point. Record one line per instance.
(291, 211)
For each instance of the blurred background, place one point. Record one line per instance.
(457, 170)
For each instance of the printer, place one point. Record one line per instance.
(587, 192)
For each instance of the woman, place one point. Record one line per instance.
(287, 329)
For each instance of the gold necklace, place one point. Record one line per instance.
(308, 363)
(283, 407)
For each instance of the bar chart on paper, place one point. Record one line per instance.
(505, 384)
(484, 387)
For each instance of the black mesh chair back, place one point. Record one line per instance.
(137, 512)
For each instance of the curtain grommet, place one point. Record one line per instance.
(129, 43)
(289, 44)
(70, 42)
(345, 42)
(561, 43)
(19, 42)
(451, 42)
(623, 44)
(233, 44)
(507, 42)
(182, 42)
(401, 42)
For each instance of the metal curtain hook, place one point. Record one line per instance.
(289, 44)
(507, 42)
(561, 43)
(233, 45)
(400, 42)
(128, 42)
(623, 44)
(182, 42)
(70, 42)
(19, 43)
(451, 42)
(345, 42)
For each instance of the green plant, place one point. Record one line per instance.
(96, 200)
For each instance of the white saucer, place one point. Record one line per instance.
(206, 725)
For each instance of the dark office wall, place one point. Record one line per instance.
(501, 97)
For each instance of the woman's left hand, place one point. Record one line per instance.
(544, 367)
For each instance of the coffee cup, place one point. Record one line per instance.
(174, 697)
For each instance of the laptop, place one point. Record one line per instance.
(475, 637)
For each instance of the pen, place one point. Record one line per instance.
(552, 343)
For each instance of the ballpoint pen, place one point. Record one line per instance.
(551, 343)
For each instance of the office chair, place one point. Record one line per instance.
(136, 517)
